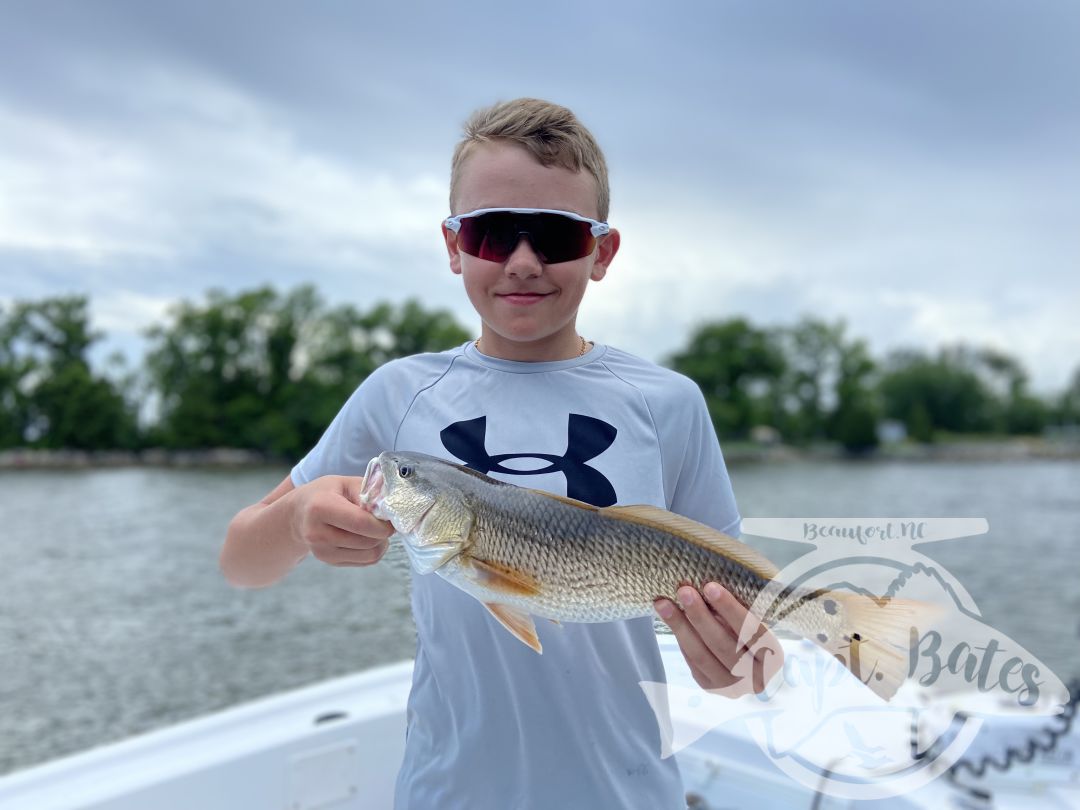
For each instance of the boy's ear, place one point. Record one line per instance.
(605, 252)
(452, 249)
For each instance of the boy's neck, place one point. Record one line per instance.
(562, 346)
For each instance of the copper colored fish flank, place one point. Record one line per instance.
(526, 553)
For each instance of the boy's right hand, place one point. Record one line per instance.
(328, 520)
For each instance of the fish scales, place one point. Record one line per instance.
(593, 567)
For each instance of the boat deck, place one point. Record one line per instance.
(337, 745)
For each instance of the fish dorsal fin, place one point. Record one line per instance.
(518, 622)
(567, 501)
(503, 578)
(696, 533)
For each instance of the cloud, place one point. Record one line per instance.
(216, 173)
(123, 312)
(913, 172)
(72, 193)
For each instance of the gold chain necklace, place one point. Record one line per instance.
(585, 346)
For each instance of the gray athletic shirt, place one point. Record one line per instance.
(491, 724)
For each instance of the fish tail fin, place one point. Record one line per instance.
(876, 639)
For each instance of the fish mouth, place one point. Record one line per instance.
(373, 488)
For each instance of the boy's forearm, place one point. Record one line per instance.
(259, 545)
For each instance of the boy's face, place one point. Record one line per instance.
(528, 308)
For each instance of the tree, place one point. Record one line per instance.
(48, 393)
(1067, 411)
(828, 386)
(738, 368)
(15, 366)
(210, 367)
(854, 421)
(268, 371)
(12, 418)
(1017, 411)
(812, 349)
(936, 394)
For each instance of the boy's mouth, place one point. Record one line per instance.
(522, 298)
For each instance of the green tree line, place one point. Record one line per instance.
(266, 370)
(811, 382)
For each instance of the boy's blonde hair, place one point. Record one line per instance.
(551, 134)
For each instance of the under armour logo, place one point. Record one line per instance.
(586, 438)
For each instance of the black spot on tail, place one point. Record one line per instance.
(830, 606)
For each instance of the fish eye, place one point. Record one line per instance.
(404, 470)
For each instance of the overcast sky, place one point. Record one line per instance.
(912, 168)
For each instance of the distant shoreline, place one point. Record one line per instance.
(951, 450)
(1025, 448)
(221, 457)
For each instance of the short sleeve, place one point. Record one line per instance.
(699, 486)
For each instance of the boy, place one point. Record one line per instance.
(491, 724)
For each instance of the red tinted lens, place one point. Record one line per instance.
(491, 237)
(554, 238)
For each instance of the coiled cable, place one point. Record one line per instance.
(1044, 740)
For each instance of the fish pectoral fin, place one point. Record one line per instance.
(517, 621)
(503, 578)
(426, 559)
(697, 533)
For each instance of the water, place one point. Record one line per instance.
(115, 620)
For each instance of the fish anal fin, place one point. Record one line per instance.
(697, 533)
(517, 621)
(503, 578)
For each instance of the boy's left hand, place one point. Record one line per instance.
(707, 629)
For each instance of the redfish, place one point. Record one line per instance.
(524, 553)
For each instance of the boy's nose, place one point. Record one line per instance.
(523, 262)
